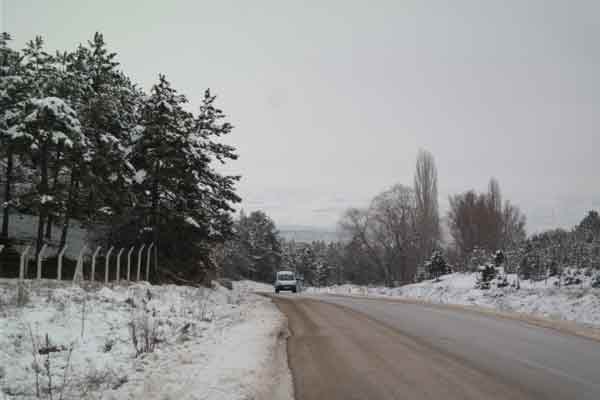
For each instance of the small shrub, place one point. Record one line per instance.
(502, 282)
(144, 334)
(499, 258)
(108, 345)
(119, 381)
(572, 279)
(205, 314)
(94, 378)
(487, 273)
(437, 266)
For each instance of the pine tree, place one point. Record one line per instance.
(50, 124)
(486, 274)
(160, 154)
(308, 260)
(216, 192)
(97, 149)
(589, 227)
(320, 274)
(436, 266)
(108, 104)
(12, 97)
(175, 180)
(256, 252)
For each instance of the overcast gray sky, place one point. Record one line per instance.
(332, 99)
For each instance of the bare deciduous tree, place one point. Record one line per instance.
(480, 221)
(513, 225)
(386, 233)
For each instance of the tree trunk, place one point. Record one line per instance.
(7, 191)
(155, 206)
(49, 222)
(43, 191)
(50, 218)
(70, 209)
(64, 232)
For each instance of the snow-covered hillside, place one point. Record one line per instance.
(190, 343)
(578, 303)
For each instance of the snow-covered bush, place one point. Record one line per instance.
(476, 259)
(436, 266)
(572, 277)
(143, 326)
(487, 273)
(596, 281)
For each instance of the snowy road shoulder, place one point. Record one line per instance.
(190, 343)
(578, 304)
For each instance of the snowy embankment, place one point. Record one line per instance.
(140, 341)
(576, 303)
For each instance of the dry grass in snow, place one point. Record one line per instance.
(65, 341)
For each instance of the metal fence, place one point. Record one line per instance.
(132, 272)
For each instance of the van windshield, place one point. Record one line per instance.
(286, 277)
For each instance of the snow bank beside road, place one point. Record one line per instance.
(209, 343)
(580, 304)
(255, 287)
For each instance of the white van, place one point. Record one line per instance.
(286, 280)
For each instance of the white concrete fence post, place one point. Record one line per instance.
(39, 261)
(139, 261)
(22, 263)
(119, 264)
(78, 275)
(129, 262)
(59, 260)
(148, 261)
(107, 264)
(93, 275)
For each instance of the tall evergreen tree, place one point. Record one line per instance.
(50, 124)
(175, 180)
(109, 113)
(12, 97)
(99, 149)
(161, 155)
(260, 246)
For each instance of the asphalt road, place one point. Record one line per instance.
(348, 348)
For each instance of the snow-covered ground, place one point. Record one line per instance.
(578, 303)
(206, 343)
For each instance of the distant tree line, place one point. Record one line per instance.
(398, 231)
(555, 252)
(254, 250)
(80, 141)
(398, 240)
(395, 240)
